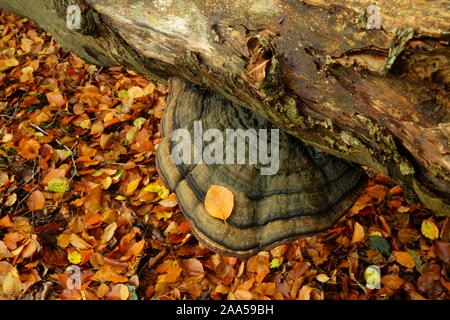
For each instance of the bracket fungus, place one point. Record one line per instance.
(308, 193)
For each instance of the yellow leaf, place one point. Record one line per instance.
(429, 229)
(11, 199)
(120, 198)
(132, 186)
(322, 278)
(358, 233)
(8, 63)
(219, 202)
(74, 257)
(11, 283)
(153, 187)
(124, 292)
(376, 233)
(164, 193)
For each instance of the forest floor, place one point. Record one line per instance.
(80, 195)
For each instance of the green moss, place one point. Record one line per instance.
(403, 36)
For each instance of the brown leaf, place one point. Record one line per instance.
(442, 250)
(429, 283)
(29, 148)
(55, 174)
(107, 273)
(36, 200)
(392, 281)
(193, 267)
(56, 98)
(408, 235)
(170, 201)
(305, 293)
(243, 294)
(404, 259)
(378, 192)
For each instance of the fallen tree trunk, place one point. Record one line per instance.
(378, 96)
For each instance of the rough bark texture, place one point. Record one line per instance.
(376, 97)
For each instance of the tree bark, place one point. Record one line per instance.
(376, 97)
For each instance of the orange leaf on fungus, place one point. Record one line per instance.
(219, 202)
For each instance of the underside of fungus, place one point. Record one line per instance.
(308, 194)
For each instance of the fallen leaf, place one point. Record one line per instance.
(358, 233)
(74, 257)
(36, 200)
(429, 229)
(58, 185)
(243, 294)
(305, 293)
(323, 278)
(8, 63)
(404, 259)
(442, 250)
(392, 281)
(170, 201)
(219, 202)
(378, 192)
(380, 244)
(29, 148)
(107, 273)
(109, 232)
(56, 98)
(132, 186)
(193, 267)
(78, 242)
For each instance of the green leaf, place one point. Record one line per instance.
(58, 185)
(153, 188)
(131, 134)
(119, 174)
(416, 258)
(98, 173)
(275, 263)
(122, 93)
(379, 244)
(139, 122)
